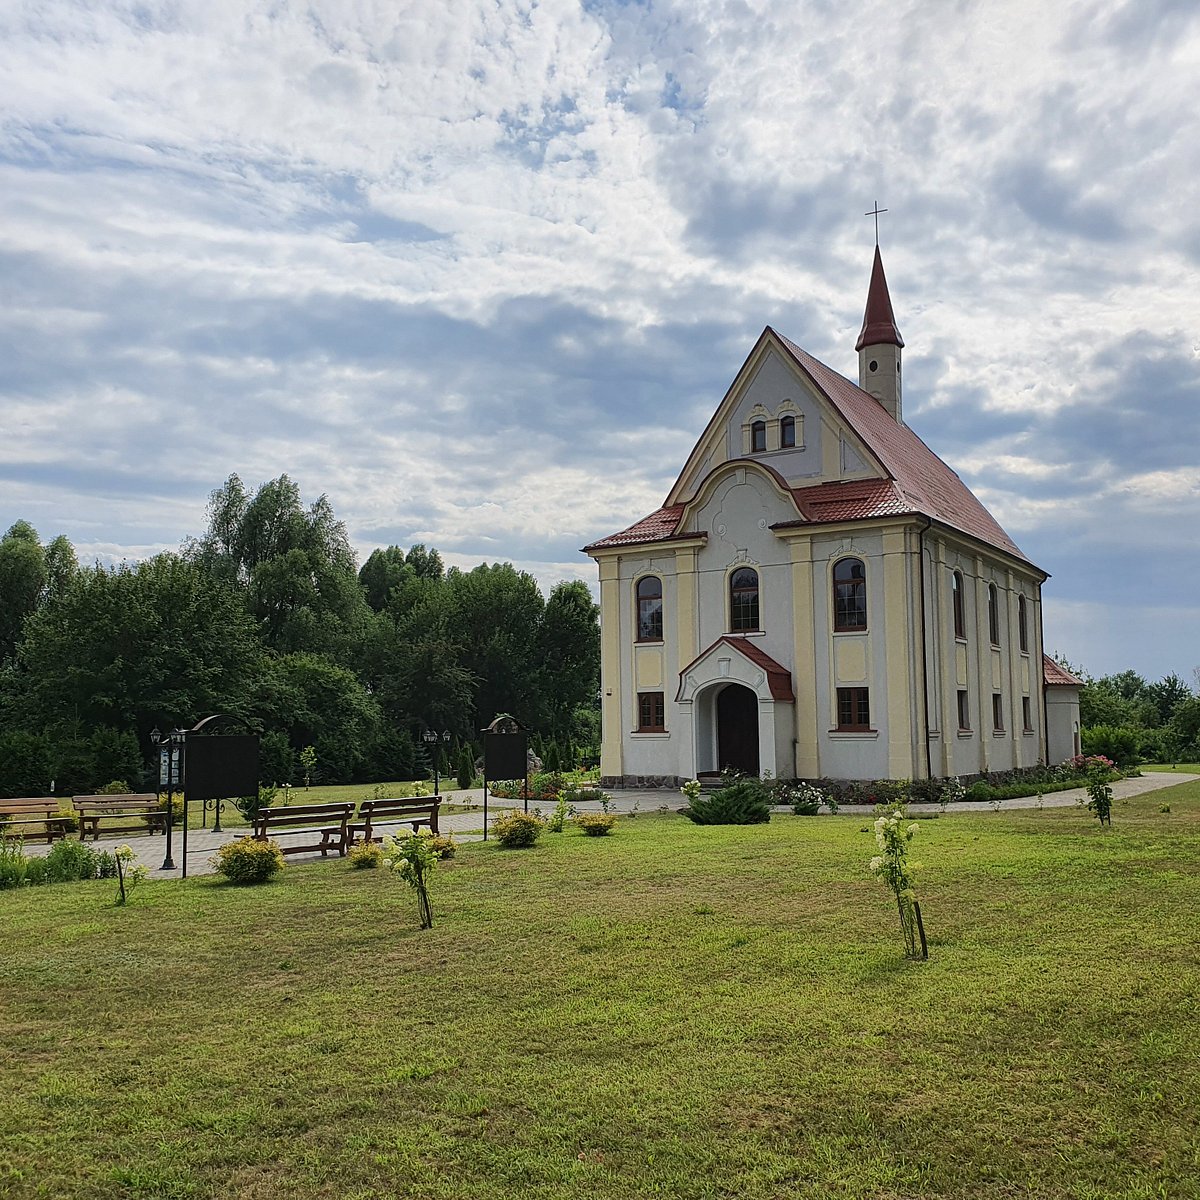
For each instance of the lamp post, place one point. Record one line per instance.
(169, 776)
(431, 737)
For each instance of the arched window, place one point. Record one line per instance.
(787, 432)
(993, 615)
(849, 595)
(650, 609)
(743, 600)
(960, 620)
(758, 436)
(1023, 624)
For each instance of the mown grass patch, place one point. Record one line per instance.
(673, 1010)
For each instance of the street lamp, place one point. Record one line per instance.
(430, 737)
(174, 756)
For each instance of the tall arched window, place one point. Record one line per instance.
(1023, 624)
(849, 595)
(743, 600)
(787, 432)
(758, 436)
(960, 620)
(650, 609)
(993, 615)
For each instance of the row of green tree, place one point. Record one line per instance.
(267, 618)
(1128, 717)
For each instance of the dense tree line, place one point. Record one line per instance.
(1129, 717)
(267, 618)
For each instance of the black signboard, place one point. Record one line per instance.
(216, 768)
(505, 755)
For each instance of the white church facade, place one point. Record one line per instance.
(821, 596)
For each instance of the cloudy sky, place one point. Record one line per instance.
(481, 270)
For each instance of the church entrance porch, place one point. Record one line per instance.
(736, 708)
(737, 729)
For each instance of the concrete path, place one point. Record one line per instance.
(468, 826)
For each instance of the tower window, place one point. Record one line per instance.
(849, 595)
(993, 615)
(1023, 624)
(872, 365)
(758, 436)
(1027, 714)
(787, 432)
(743, 600)
(650, 609)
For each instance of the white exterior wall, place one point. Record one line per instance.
(1062, 722)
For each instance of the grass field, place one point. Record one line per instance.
(673, 1011)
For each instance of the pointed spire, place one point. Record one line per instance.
(879, 323)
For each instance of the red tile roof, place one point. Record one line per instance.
(879, 322)
(1056, 675)
(923, 482)
(918, 481)
(779, 678)
(659, 526)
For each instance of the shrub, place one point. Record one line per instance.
(106, 865)
(891, 865)
(1099, 791)
(744, 803)
(558, 818)
(248, 860)
(1111, 741)
(362, 855)
(442, 844)
(70, 861)
(805, 798)
(518, 830)
(413, 859)
(596, 824)
(118, 787)
(466, 767)
(67, 818)
(14, 865)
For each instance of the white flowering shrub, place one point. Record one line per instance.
(891, 865)
(953, 792)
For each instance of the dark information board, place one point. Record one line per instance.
(217, 768)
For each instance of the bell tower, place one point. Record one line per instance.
(879, 345)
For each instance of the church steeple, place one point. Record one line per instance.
(879, 344)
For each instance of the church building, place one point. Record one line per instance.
(821, 596)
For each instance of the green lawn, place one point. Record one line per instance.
(673, 1011)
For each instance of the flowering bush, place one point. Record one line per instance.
(891, 865)
(805, 798)
(414, 860)
(129, 875)
(1098, 776)
(691, 790)
(953, 792)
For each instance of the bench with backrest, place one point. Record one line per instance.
(415, 811)
(119, 814)
(328, 820)
(33, 816)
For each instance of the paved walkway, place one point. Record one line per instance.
(468, 826)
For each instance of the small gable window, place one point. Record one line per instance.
(993, 615)
(743, 600)
(849, 595)
(1023, 624)
(960, 620)
(758, 436)
(787, 433)
(650, 609)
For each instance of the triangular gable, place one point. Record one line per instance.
(710, 451)
(778, 677)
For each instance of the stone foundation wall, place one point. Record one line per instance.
(641, 782)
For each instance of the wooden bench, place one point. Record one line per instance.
(417, 811)
(328, 820)
(24, 812)
(129, 814)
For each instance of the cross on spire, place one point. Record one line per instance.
(874, 212)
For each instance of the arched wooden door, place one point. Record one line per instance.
(737, 729)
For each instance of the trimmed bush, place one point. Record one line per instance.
(745, 803)
(596, 824)
(442, 844)
(248, 861)
(518, 830)
(363, 855)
